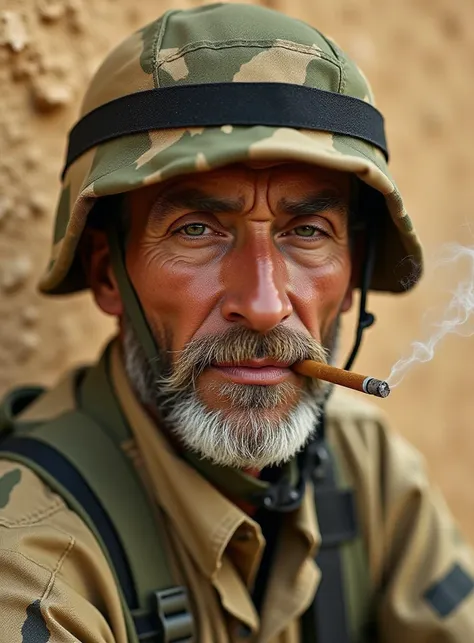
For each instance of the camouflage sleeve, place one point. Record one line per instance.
(428, 569)
(55, 584)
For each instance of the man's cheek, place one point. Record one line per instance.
(190, 309)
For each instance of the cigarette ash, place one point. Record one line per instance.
(454, 317)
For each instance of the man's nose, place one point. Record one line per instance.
(256, 286)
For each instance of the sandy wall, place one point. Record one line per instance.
(419, 55)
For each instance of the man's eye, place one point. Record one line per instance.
(306, 231)
(193, 229)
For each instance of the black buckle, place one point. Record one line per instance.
(281, 497)
(319, 461)
(175, 615)
(170, 619)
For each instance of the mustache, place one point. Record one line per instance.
(236, 345)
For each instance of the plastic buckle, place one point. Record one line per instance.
(174, 614)
(320, 462)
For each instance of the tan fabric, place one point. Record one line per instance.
(56, 587)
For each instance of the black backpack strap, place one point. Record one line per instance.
(168, 617)
(69, 477)
(327, 619)
(61, 469)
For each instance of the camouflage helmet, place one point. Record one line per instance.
(225, 43)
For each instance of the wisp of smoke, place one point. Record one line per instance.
(452, 319)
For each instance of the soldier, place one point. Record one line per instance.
(225, 191)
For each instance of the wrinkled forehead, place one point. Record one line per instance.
(279, 179)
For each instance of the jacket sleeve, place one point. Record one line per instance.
(55, 584)
(427, 576)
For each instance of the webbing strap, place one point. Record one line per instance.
(130, 299)
(111, 476)
(326, 620)
(218, 104)
(69, 477)
(168, 618)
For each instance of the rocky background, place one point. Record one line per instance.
(419, 56)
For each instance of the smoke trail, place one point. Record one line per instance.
(452, 319)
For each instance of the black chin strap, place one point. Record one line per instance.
(366, 319)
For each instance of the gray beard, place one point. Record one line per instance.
(250, 435)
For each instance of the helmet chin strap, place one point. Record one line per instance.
(131, 302)
(366, 319)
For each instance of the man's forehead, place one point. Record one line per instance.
(231, 180)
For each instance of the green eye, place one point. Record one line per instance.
(305, 230)
(194, 229)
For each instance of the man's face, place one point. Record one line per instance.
(241, 271)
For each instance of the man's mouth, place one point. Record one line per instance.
(261, 372)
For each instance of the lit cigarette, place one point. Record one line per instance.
(357, 382)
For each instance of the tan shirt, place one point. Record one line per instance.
(56, 586)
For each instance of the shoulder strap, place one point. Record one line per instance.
(358, 586)
(331, 618)
(69, 453)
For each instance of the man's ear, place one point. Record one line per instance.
(96, 263)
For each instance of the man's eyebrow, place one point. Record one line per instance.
(194, 199)
(314, 204)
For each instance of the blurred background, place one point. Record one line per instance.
(419, 57)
